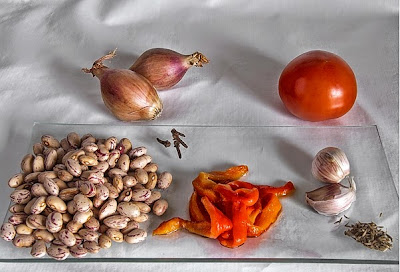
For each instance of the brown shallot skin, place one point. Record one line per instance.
(164, 68)
(128, 95)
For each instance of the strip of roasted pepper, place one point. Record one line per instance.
(230, 174)
(219, 223)
(196, 209)
(238, 235)
(269, 214)
(235, 203)
(284, 190)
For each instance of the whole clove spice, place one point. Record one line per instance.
(178, 141)
(165, 143)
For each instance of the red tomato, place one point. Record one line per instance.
(317, 86)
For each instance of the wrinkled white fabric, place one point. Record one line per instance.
(44, 44)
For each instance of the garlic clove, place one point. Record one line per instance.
(332, 199)
(330, 165)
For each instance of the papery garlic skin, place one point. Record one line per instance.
(332, 199)
(330, 165)
(164, 68)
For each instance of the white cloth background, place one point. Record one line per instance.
(44, 44)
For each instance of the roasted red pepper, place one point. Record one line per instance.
(224, 208)
(269, 214)
(218, 224)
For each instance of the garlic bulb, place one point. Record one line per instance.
(330, 165)
(332, 199)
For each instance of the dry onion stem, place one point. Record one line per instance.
(370, 235)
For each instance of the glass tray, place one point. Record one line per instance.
(274, 155)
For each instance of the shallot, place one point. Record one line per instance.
(128, 95)
(164, 68)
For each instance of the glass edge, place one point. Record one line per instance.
(387, 162)
(206, 260)
(186, 125)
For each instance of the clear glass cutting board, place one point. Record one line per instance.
(274, 155)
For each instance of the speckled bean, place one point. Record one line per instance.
(129, 227)
(125, 195)
(39, 249)
(151, 184)
(73, 167)
(91, 246)
(16, 208)
(104, 241)
(140, 194)
(43, 234)
(31, 177)
(38, 190)
(129, 181)
(112, 191)
(73, 139)
(141, 176)
(88, 235)
(50, 160)
(164, 180)
(16, 180)
(151, 167)
(155, 195)
(74, 226)
(92, 224)
(58, 252)
(49, 141)
(143, 207)
(51, 187)
(78, 251)
(36, 221)
(27, 164)
(54, 222)
(23, 229)
(87, 188)
(88, 160)
(69, 193)
(39, 205)
(24, 240)
(82, 203)
(7, 232)
(116, 221)
(135, 236)
(102, 192)
(102, 153)
(140, 162)
(128, 209)
(67, 237)
(160, 206)
(17, 218)
(115, 235)
(21, 196)
(108, 208)
(56, 204)
(64, 175)
(143, 217)
(137, 152)
(82, 217)
(101, 166)
(38, 148)
(123, 162)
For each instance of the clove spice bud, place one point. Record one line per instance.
(178, 141)
(165, 143)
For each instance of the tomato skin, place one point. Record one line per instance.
(318, 86)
